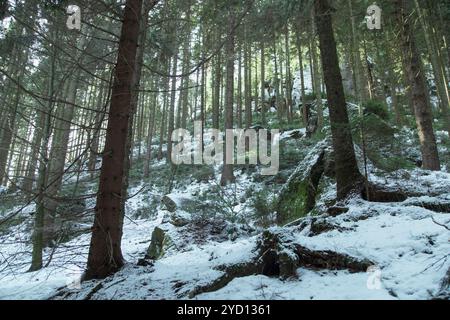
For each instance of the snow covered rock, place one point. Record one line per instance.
(180, 219)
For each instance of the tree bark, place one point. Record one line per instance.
(416, 80)
(171, 124)
(227, 170)
(317, 91)
(105, 254)
(348, 177)
(305, 111)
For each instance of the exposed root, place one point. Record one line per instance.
(279, 256)
(319, 226)
(378, 194)
(440, 207)
(229, 273)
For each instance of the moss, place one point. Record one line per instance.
(296, 206)
(159, 244)
(299, 196)
(376, 107)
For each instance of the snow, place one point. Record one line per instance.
(288, 134)
(409, 250)
(339, 285)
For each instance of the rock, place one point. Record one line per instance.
(280, 178)
(319, 226)
(293, 134)
(189, 205)
(298, 196)
(169, 203)
(159, 243)
(145, 263)
(336, 211)
(203, 174)
(179, 219)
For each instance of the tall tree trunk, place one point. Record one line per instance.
(58, 154)
(10, 128)
(247, 87)
(105, 254)
(29, 178)
(439, 73)
(162, 128)
(288, 75)
(171, 125)
(359, 84)
(305, 111)
(216, 86)
(151, 125)
(186, 66)
(38, 230)
(416, 81)
(348, 177)
(239, 91)
(393, 82)
(98, 119)
(263, 86)
(227, 171)
(136, 82)
(317, 91)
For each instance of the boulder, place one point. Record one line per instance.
(180, 219)
(298, 196)
(193, 206)
(169, 203)
(159, 244)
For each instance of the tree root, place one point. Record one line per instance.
(378, 194)
(279, 256)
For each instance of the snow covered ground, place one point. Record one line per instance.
(407, 243)
(410, 252)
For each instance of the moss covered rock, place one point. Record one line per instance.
(159, 244)
(298, 195)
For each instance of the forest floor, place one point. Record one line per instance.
(407, 243)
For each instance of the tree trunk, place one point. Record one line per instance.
(247, 87)
(239, 91)
(151, 125)
(288, 76)
(416, 81)
(105, 254)
(227, 170)
(171, 126)
(186, 66)
(348, 177)
(317, 91)
(162, 130)
(360, 88)
(439, 73)
(38, 231)
(263, 86)
(305, 111)
(216, 86)
(58, 154)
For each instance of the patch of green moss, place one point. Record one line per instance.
(294, 204)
